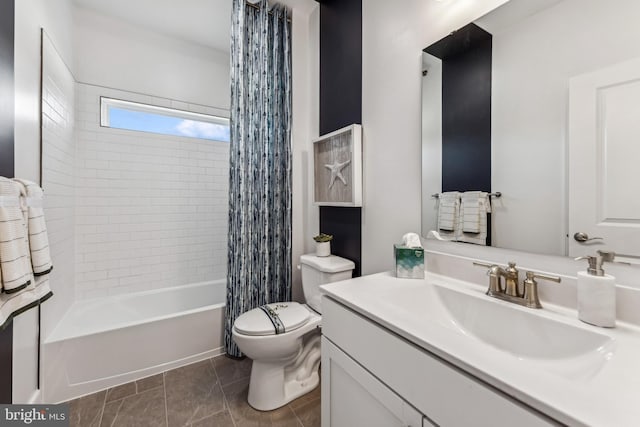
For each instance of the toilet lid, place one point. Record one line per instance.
(272, 319)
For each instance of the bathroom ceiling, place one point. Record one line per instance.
(205, 22)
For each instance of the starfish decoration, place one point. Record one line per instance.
(336, 172)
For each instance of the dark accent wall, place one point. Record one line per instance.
(6, 166)
(340, 106)
(466, 109)
(340, 64)
(345, 225)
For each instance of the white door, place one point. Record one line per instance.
(604, 160)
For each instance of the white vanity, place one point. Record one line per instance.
(438, 351)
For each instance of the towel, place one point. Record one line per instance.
(475, 206)
(15, 266)
(13, 304)
(32, 196)
(448, 214)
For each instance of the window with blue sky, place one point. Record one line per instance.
(128, 115)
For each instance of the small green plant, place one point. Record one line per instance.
(323, 237)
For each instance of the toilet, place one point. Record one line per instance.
(283, 338)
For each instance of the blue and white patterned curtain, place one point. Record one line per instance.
(259, 265)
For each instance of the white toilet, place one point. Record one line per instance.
(285, 364)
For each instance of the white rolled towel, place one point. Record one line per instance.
(32, 198)
(15, 267)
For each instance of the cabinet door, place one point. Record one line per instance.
(351, 396)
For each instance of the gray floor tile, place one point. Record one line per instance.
(313, 395)
(309, 413)
(150, 382)
(110, 413)
(231, 370)
(140, 410)
(193, 393)
(86, 411)
(221, 419)
(195, 397)
(245, 416)
(121, 391)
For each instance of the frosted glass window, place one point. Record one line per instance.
(119, 114)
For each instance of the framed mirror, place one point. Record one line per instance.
(502, 103)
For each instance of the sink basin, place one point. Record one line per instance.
(523, 332)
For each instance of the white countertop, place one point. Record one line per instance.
(574, 391)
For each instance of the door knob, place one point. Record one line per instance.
(584, 237)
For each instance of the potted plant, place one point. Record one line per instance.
(323, 244)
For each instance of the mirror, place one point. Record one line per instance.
(536, 48)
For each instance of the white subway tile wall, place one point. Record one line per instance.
(151, 210)
(58, 181)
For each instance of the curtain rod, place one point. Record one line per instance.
(256, 7)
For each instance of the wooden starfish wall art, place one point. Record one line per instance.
(337, 162)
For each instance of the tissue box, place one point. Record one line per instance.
(409, 262)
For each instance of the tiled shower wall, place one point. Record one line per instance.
(151, 210)
(58, 180)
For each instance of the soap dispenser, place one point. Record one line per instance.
(597, 292)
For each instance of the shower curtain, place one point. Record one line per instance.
(259, 240)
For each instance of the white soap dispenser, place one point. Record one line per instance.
(597, 292)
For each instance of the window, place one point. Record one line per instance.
(115, 113)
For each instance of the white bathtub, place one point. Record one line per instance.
(105, 342)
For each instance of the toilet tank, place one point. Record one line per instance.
(317, 271)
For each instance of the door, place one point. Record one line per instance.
(604, 160)
(351, 396)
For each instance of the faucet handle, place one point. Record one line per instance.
(482, 264)
(494, 272)
(530, 295)
(532, 275)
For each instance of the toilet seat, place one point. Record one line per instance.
(272, 319)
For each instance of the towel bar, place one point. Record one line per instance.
(497, 194)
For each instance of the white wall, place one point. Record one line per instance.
(30, 17)
(151, 209)
(305, 53)
(532, 64)
(394, 35)
(118, 55)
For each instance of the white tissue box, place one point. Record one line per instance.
(409, 262)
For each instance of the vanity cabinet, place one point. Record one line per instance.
(373, 377)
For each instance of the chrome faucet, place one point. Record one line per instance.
(510, 292)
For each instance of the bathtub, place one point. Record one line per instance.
(109, 341)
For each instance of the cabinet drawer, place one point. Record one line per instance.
(445, 394)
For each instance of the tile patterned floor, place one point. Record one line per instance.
(211, 393)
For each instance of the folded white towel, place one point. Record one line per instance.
(448, 213)
(473, 222)
(32, 196)
(15, 266)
